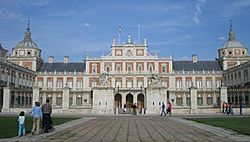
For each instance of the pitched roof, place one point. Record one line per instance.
(61, 67)
(196, 66)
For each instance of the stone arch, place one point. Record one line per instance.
(140, 100)
(118, 100)
(129, 100)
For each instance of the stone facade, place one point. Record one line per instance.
(128, 75)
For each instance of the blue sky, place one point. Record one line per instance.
(85, 27)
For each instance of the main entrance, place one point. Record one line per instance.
(129, 100)
(118, 101)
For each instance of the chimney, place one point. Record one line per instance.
(194, 58)
(51, 59)
(66, 59)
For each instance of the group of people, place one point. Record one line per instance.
(168, 109)
(39, 114)
(227, 108)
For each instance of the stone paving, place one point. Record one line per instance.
(128, 129)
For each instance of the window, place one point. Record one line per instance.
(209, 84)
(79, 100)
(178, 83)
(28, 52)
(94, 68)
(40, 83)
(164, 69)
(139, 67)
(140, 84)
(79, 84)
(129, 84)
(129, 67)
(118, 84)
(93, 84)
(209, 100)
(59, 84)
(199, 100)
(108, 69)
(50, 84)
(179, 100)
(198, 84)
(70, 100)
(218, 83)
(188, 100)
(59, 100)
(188, 83)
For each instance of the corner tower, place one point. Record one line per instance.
(232, 53)
(26, 53)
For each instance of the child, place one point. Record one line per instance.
(21, 120)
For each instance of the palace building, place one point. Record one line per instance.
(128, 75)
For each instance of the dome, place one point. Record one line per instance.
(232, 44)
(27, 41)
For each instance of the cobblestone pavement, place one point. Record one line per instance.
(131, 129)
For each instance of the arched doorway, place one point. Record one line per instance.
(140, 101)
(129, 100)
(118, 101)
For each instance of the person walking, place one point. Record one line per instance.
(21, 126)
(170, 109)
(241, 113)
(134, 109)
(47, 121)
(163, 109)
(37, 116)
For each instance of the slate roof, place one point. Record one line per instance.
(196, 66)
(61, 67)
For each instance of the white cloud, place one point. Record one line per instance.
(6, 14)
(221, 38)
(86, 24)
(198, 11)
(185, 58)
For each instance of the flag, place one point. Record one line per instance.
(120, 29)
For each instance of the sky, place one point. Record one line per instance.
(77, 28)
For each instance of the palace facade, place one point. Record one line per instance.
(128, 74)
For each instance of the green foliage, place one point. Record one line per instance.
(238, 124)
(9, 125)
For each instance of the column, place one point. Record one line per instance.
(44, 98)
(134, 82)
(223, 96)
(204, 99)
(54, 99)
(123, 100)
(36, 94)
(193, 98)
(74, 99)
(135, 98)
(24, 99)
(214, 99)
(6, 99)
(184, 99)
(15, 99)
(65, 98)
(21, 100)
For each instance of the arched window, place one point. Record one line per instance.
(59, 100)
(188, 100)
(209, 100)
(79, 100)
(179, 101)
(199, 100)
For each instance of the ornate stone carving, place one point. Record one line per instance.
(155, 79)
(104, 79)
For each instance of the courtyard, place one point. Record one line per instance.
(127, 128)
